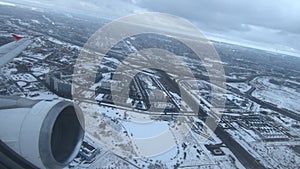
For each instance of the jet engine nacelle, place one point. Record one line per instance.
(47, 133)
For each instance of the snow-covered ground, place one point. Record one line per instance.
(127, 133)
(243, 87)
(282, 96)
(23, 77)
(145, 130)
(37, 55)
(42, 95)
(287, 123)
(56, 41)
(39, 70)
(271, 154)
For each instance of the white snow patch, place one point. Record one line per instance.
(146, 130)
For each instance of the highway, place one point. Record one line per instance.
(266, 104)
(241, 154)
(270, 106)
(161, 86)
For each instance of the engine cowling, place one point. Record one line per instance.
(48, 133)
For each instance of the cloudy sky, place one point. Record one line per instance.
(270, 24)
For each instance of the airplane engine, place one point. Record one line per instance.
(47, 133)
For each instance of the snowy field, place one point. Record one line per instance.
(135, 137)
(243, 87)
(282, 96)
(271, 154)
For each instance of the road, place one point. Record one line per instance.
(270, 106)
(264, 104)
(137, 83)
(267, 105)
(240, 153)
(167, 92)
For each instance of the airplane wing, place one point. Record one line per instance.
(13, 49)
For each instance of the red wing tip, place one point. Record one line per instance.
(16, 37)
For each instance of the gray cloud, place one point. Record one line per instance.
(275, 14)
(273, 23)
(269, 23)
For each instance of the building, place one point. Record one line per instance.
(88, 152)
(59, 84)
